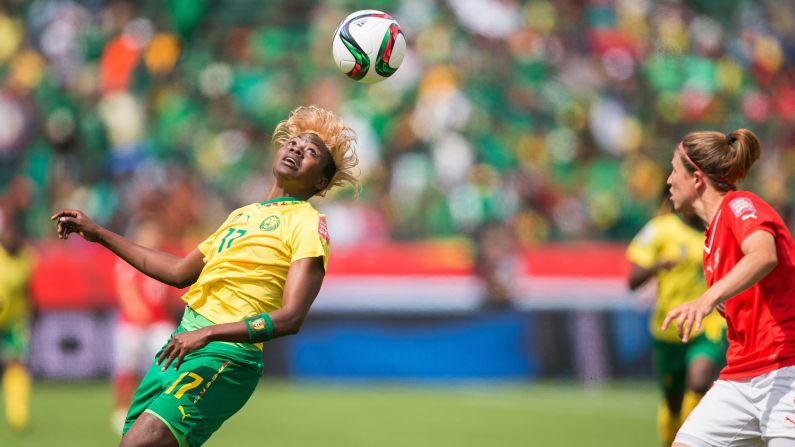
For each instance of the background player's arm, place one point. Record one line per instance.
(639, 275)
(304, 279)
(164, 267)
(759, 259)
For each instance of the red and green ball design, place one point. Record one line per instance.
(362, 64)
(385, 52)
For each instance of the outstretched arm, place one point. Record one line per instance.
(164, 267)
(303, 284)
(760, 258)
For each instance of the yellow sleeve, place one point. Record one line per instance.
(644, 248)
(308, 238)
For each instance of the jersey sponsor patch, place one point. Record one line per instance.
(322, 229)
(742, 205)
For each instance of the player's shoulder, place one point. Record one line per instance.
(661, 224)
(740, 204)
(244, 209)
(648, 233)
(305, 209)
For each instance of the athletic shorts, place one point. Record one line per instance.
(744, 413)
(15, 340)
(134, 346)
(671, 360)
(210, 386)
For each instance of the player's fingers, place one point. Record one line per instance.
(164, 353)
(680, 321)
(687, 327)
(181, 356)
(699, 318)
(168, 361)
(66, 220)
(67, 212)
(668, 318)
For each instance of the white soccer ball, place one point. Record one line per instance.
(368, 46)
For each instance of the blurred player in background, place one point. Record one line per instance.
(145, 319)
(496, 264)
(254, 279)
(749, 267)
(16, 265)
(669, 249)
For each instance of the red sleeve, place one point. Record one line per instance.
(747, 214)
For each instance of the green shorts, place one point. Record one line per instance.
(671, 360)
(15, 340)
(210, 386)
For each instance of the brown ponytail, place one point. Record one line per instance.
(725, 159)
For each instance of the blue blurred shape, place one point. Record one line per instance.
(477, 347)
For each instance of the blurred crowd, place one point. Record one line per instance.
(556, 118)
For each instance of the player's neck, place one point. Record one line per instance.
(279, 191)
(708, 205)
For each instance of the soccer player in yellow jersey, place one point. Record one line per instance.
(16, 265)
(252, 280)
(669, 248)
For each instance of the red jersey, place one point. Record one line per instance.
(150, 297)
(761, 319)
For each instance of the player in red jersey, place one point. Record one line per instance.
(749, 266)
(146, 318)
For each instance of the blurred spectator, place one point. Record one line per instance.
(558, 114)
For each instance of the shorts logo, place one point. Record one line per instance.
(258, 324)
(742, 206)
(270, 223)
(322, 229)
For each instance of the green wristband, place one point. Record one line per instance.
(260, 328)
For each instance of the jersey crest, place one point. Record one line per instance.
(270, 223)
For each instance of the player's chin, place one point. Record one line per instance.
(285, 172)
(677, 204)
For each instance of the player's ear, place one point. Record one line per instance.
(699, 180)
(321, 184)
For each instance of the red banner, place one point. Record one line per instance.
(75, 274)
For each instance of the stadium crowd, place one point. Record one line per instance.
(557, 117)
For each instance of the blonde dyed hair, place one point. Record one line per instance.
(340, 140)
(724, 158)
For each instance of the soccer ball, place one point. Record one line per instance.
(368, 46)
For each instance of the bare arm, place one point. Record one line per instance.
(164, 267)
(760, 258)
(639, 275)
(303, 284)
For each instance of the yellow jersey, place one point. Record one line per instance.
(667, 237)
(15, 271)
(246, 260)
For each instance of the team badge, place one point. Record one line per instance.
(741, 206)
(270, 223)
(258, 324)
(322, 229)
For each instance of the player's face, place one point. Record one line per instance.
(302, 159)
(681, 184)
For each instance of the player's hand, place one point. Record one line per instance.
(688, 316)
(75, 221)
(180, 345)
